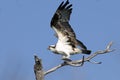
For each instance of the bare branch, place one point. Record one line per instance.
(94, 62)
(38, 69)
(78, 63)
(55, 68)
(64, 64)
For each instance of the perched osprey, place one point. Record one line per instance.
(67, 43)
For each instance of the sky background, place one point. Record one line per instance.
(25, 31)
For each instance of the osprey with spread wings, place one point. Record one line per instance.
(67, 43)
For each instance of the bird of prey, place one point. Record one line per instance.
(67, 43)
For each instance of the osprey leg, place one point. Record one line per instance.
(66, 57)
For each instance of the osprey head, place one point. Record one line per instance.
(52, 48)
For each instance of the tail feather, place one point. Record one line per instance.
(86, 51)
(81, 44)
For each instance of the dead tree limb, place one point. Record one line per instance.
(80, 62)
(38, 69)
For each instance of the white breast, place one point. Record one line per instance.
(63, 48)
(62, 45)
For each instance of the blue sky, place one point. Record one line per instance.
(25, 31)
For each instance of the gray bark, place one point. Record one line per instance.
(38, 69)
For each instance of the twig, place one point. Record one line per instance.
(81, 61)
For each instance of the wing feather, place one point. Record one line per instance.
(60, 24)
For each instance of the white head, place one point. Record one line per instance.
(52, 48)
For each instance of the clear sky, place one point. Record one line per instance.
(25, 31)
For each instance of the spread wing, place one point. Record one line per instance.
(60, 24)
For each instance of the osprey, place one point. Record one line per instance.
(67, 43)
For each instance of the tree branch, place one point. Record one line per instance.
(54, 69)
(78, 63)
(65, 63)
